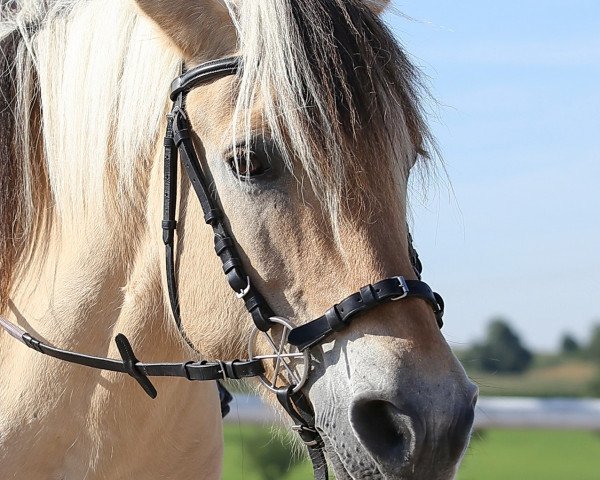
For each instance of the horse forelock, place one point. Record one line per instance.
(338, 94)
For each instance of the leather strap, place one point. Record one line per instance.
(204, 73)
(192, 370)
(225, 399)
(225, 246)
(300, 410)
(414, 256)
(169, 223)
(341, 315)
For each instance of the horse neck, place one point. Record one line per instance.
(97, 276)
(75, 289)
(97, 273)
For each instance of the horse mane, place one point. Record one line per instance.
(10, 172)
(23, 188)
(78, 130)
(339, 95)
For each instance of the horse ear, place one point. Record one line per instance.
(378, 6)
(200, 29)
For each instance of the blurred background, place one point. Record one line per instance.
(509, 236)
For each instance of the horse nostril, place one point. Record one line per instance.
(385, 431)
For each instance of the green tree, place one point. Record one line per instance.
(592, 352)
(594, 385)
(569, 346)
(593, 348)
(501, 352)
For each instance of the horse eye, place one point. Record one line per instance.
(247, 165)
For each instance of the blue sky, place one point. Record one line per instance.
(517, 119)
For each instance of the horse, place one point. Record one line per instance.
(308, 147)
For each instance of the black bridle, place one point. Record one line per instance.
(179, 143)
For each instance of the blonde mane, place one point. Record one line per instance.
(338, 94)
(85, 125)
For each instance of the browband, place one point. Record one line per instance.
(203, 73)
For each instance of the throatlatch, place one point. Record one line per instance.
(291, 345)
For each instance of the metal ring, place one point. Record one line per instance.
(283, 355)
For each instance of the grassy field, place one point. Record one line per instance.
(532, 455)
(568, 379)
(255, 454)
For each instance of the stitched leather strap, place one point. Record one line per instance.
(225, 246)
(204, 73)
(192, 370)
(341, 315)
(169, 224)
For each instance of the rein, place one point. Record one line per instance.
(291, 350)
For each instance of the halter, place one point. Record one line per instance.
(292, 346)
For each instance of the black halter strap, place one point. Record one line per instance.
(300, 410)
(178, 139)
(194, 371)
(340, 316)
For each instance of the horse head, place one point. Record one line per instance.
(308, 149)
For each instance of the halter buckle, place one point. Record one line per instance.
(402, 283)
(242, 293)
(309, 435)
(223, 369)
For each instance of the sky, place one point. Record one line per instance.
(515, 230)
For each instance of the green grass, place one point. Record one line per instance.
(532, 455)
(253, 453)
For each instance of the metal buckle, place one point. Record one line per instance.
(311, 431)
(223, 370)
(242, 293)
(402, 283)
